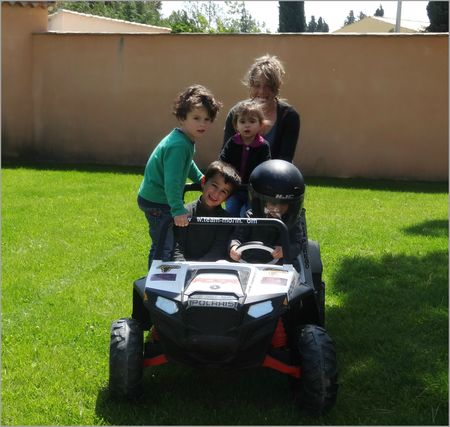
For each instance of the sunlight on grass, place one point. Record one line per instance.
(74, 241)
(336, 300)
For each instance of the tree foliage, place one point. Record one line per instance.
(210, 17)
(240, 20)
(379, 11)
(194, 17)
(143, 12)
(437, 12)
(350, 18)
(291, 17)
(317, 27)
(181, 22)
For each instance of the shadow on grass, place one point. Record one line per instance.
(390, 326)
(179, 395)
(391, 330)
(434, 228)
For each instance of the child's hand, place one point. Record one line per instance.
(181, 220)
(234, 255)
(277, 252)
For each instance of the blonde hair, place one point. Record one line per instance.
(270, 68)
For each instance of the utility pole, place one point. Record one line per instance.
(399, 16)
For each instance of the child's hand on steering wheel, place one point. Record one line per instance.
(234, 255)
(277, 252)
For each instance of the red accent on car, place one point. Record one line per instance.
(155, 361)
(270, 362)
(279, 336)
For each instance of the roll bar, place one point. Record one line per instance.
(223, 221)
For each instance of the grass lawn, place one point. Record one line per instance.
(74, 240)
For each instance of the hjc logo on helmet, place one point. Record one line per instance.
(284, 196)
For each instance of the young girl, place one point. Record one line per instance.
(171, 162)
(245, 150)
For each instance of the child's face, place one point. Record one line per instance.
(216, 191)
(196, 123)
(248, 126)
(276, 210)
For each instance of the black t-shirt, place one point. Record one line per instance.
(207, 242)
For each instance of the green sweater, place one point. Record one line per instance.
(167, 169)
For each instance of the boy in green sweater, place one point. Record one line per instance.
(161, 191)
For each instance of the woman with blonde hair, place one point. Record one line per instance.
(264, 79)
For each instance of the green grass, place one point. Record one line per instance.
(74, 240)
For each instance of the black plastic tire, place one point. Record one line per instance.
(316, 390)
(126, 359)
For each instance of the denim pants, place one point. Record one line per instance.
(237, 204)
(156, 213)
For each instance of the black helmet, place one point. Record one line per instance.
(277, 182)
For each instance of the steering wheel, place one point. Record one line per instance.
(256, 253)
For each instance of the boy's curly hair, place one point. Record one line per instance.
(228, 172)
(193, 97)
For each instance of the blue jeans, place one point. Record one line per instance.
(156, 213)
(237, 204)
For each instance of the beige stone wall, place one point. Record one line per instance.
(371, 105)
(18, 23)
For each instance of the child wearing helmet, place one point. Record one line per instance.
(276, 190)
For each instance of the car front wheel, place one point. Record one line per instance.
(126, 358)
(316, 389)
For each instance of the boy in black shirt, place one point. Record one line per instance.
(208, 242)
(200, 242)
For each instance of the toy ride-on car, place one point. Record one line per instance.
(231, 315)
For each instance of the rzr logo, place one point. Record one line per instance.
(166, 268)
(284, 196)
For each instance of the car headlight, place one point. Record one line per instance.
(260, 309)
(166, 305)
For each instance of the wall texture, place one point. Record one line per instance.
(371, 105)
(18, 24)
